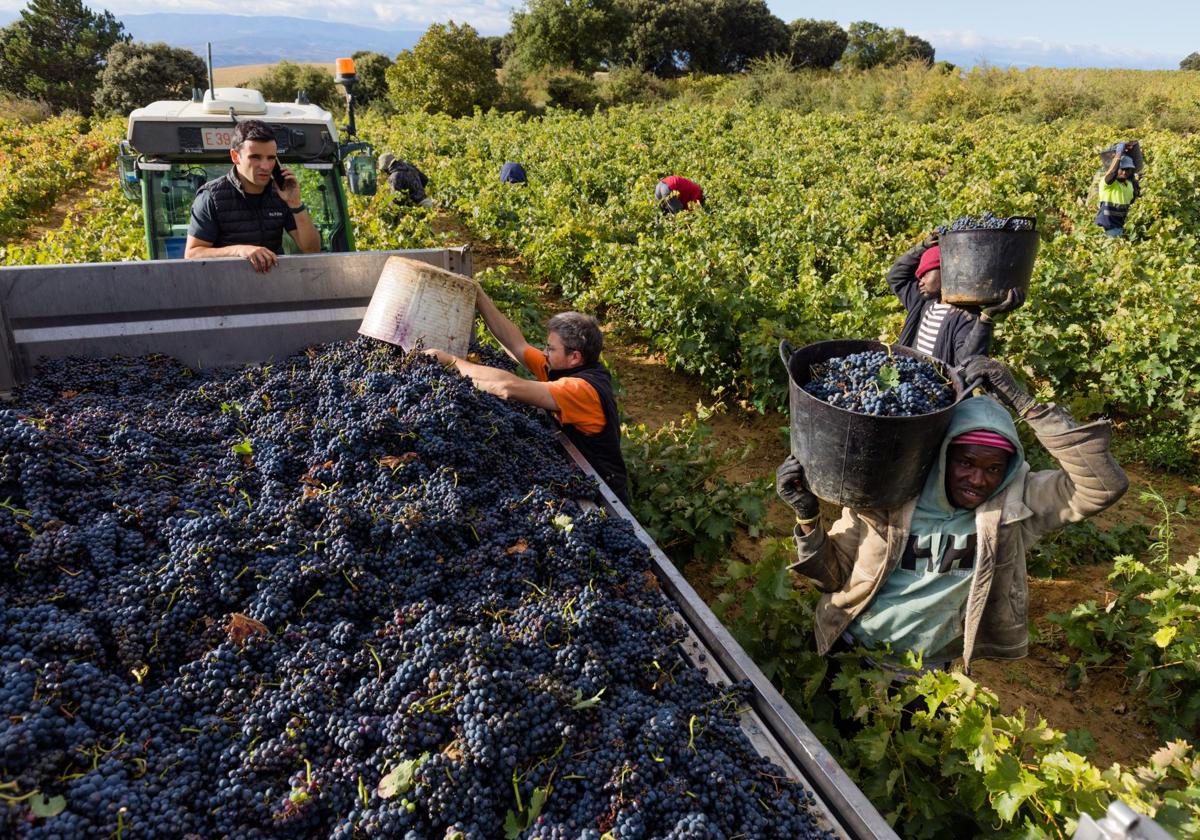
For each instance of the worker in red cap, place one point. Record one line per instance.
(941, 330)
(943, 575)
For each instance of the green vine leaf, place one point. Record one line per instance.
(40, 806)
(889, 377)
(400, 778)
(580, 703)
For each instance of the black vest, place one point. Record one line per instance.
(603, 449)
(243, 221)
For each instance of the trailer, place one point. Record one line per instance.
(220, 312)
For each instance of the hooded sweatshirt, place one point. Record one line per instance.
(920, 606)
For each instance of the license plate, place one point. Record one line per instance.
(217, 138)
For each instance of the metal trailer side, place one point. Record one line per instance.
(220, 312)
(771, 724)
(206, 313)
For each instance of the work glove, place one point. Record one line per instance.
(793, 489)
(1015, 299)
(930, 240)
(999, 382)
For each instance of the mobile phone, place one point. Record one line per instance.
(277, 174)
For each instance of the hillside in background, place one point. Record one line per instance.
(242, 73)
(238, 40)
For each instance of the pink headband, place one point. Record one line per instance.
(984, 438)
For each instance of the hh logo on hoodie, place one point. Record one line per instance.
(939, 554)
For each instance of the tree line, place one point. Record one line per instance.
(676, 37)
(68, 57)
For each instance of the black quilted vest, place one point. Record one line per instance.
(603, 449)
(244, 221)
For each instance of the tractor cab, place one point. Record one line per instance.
(173, 148)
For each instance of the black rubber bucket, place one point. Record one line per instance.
(860, 460)
(980, 266)
(1134, 151)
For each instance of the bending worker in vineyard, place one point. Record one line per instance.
(946, 332)
(1118, 189)
(245, 212)
(943, 576)
(405, 179)
(571, 382)
(675, 194)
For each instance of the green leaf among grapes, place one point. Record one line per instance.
(516, 824)
(400, 778)
(580, 703)
(40, 806)
(889, 377)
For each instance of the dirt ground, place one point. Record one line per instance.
(1106, 708)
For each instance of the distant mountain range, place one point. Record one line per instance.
(265, 40)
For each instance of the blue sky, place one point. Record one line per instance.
(1148, 34)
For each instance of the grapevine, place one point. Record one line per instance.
(38, 162)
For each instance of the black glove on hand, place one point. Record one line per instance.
(1015, 299)
(793, 489)
(996, 378)
(930, 240)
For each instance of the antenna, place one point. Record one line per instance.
(212, 94)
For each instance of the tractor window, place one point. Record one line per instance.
(170, 194)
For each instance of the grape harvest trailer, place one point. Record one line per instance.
(208, 313)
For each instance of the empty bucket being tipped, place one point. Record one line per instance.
(415, 301)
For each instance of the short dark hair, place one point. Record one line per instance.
(578, 332)
(251, 130)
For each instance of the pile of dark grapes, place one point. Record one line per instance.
(854, 383)
(343, 595)
(987, 222)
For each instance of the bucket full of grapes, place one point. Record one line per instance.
(867, 419)
(982, 258)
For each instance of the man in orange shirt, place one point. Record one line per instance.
(571, 383)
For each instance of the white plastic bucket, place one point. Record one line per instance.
(414, 301)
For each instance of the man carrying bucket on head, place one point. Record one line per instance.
(946, 332)
(571, 383)
(943, 576)
(1118, 189)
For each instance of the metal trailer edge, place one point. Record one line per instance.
(774, 726)
(205, 313)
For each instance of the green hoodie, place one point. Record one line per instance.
(919, 607)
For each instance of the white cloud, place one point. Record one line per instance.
(488, 16)
(1036, 50)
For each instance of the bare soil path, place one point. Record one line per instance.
(67, 204)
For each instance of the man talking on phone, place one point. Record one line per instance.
(245, 212)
